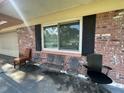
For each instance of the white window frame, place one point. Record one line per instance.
(80, 19)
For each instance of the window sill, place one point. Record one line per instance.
(76, 54)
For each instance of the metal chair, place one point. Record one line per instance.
(73, 66)
(94, 63)
(94, 70)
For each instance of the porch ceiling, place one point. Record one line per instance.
(17, 10)
(12, 10)
(8, 21)
(35, 8)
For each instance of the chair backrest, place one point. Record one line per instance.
(73, 65)
(74, 62)
(94, 62)
(28, 53)
(50, 58)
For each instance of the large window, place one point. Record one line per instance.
(64, 36)
(51, 37)
(69, 36)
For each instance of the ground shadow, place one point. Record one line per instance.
(29, 68)
(77, 84)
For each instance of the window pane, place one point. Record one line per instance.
(50, 37)
(69, 36)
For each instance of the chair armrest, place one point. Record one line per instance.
(43, 57)
(85, 65)
(107, 67)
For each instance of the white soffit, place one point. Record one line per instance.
(35, 8)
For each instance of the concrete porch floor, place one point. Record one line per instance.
(32, 79)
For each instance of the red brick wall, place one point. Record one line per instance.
(109, 47)
(113, 54)
(26, 39)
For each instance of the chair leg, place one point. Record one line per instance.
(97, 88)
(107, 72)
(19, 65)
(14, 64)
(25, 63)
